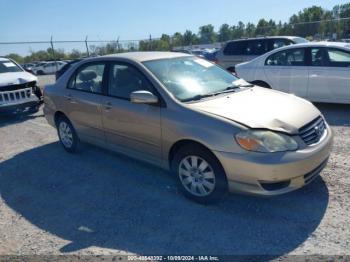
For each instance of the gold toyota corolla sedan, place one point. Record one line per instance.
(214, 131)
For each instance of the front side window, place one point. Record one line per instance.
(190, 77)
(338, 58)
(88, 78)
(7, 66)
(125, 79)
(290, 57)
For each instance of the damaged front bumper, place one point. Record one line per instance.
(19, 99)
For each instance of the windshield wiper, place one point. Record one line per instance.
(244, 85)
(228, 89)
(199, 97)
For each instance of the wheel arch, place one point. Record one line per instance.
(231, 69)
(186, 142)
(59, 114)
(261, 83)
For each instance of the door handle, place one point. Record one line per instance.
(108, 105)
(70, 98)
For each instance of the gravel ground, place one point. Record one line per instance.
(99, 202)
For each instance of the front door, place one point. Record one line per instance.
(134, 129)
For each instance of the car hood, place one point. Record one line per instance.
(262, 108)
(16, 78)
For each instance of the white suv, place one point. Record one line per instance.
(18, 88)
(48, 68)
(242, 50)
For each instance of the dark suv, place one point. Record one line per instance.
(242, 50)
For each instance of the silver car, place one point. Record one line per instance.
(215, 132)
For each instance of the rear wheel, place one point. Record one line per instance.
(67, 135)
(200, 175)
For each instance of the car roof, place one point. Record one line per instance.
(146, 56)
(4, 59)
(314, 44)
(265, 37)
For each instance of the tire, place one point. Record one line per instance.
(199, 174)
(34, 109)
(67, 135)
(231, 70)
(40, 72)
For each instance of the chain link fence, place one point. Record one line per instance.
(207, 38)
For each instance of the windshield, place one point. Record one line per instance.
(190, 78)
(8, 66)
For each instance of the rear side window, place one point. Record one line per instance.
(290, 57)
(65, 68)
(247, 47)
(235, 48)
(338, 58)
(88, 78)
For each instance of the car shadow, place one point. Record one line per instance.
(335, 114)
(15, 118)
(98, 198)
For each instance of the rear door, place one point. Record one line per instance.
(83, 100)
(131, 128)
(329, 75)
(287, 71)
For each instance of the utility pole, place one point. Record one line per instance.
(150, 43)
(87, 47)
(53, 54)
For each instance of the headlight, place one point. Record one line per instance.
(265, 141)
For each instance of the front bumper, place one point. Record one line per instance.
(275, 173)
(18, 106)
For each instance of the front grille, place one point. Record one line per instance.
(15, 96)
(275, 186)
(313, 131)
(17, 87)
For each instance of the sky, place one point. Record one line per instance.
(38, 20)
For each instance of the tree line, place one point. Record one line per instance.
(313, 23)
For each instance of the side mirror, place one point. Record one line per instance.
(143, 97)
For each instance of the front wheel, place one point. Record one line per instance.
(67, 135)
(200, 175)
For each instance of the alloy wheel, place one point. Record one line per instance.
(197, 176)
(66, 134)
